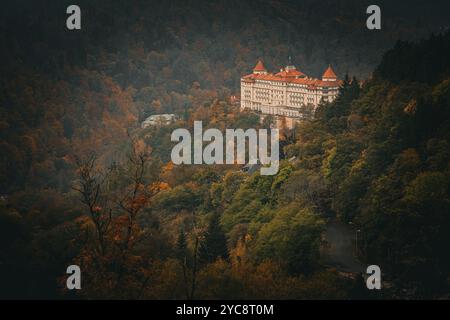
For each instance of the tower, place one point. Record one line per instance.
(259, 68)
(329, 74)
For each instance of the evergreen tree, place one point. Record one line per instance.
(181, 248)
(215, 242)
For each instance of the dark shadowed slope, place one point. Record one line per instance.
(341, 248)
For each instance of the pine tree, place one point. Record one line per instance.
(215, 242)
(181, 249)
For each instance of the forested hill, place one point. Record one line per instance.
(79, 90)
(377, 157)
(200, 40)
(383, 151)
(424, 62)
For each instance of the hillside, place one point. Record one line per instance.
(81, 182)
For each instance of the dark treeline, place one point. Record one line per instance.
(383, 150)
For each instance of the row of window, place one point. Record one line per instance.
(294, 100)
(275, 110)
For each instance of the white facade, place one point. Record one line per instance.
(159, 120)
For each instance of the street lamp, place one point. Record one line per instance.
(357, 231)
(356, 236)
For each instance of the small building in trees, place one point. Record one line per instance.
(159, 120)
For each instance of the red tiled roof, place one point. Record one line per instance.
(329, 73)
(290, 73)
(259, 66)
(311, 83)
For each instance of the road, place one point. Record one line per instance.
(340, 248)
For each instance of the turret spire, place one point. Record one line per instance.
(329, 74)
(259, 68)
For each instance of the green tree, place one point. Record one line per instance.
(214, 244)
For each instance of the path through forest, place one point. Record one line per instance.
(339, 251)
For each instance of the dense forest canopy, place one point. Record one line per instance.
(128, 62)
(81, 182)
